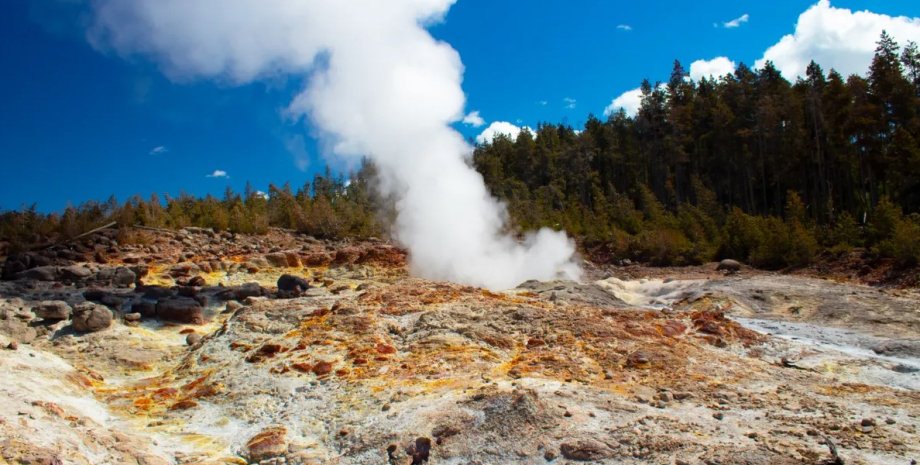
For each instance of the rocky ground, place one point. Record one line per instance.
(157, 347)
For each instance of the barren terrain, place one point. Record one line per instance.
(206, 361)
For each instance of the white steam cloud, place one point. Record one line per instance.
(380, 86)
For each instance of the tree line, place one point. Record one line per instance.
(748, 165)
(325, 207)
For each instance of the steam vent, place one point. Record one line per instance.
(193, 355)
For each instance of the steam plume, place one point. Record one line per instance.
(379, 86)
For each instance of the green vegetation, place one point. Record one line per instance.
(747, 166)
(326, 207)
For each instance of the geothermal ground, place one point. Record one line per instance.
(206, 361)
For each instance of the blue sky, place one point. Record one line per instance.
(78, 124)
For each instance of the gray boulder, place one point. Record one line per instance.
(53, 310)
(729, 266)
(89, 317)
(124, 277)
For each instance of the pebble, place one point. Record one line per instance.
(718, 415)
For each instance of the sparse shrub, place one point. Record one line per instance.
(663, 247)
(741, 235)
(904, 243)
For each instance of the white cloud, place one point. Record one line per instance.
(714, 68)
(261, 194)
(542, 103)
(836, 38)
(624, 27)
(473, 119)
(500, 127)
(737, 22)
(297, 147)
(569, 102)
(160, 149)
(218, 174)
(629, 101)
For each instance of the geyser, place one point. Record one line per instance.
(379, 86)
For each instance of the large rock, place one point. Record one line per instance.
(41, 273)
(180, 310)
(155, 292)
(76, 272)
(17, 330)
(124, 277)
(242, 291)
(145, 308)
(53, 310)
(90, 317)
(730, 266)
(17, 263)
(291, 283)
(278, 260)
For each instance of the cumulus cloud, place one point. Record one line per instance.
(569, 102)
(473, 119)
(737, 22)
(624, 27)
(714, 68)
(261, 194)
(158, 150)
(628, 101)
(500, 127)
(836, 38)
(218, 174)
(378, 85)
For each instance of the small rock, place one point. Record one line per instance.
(133, 317)
(585, 450)
(718, 415)
(13, 345)
(291, 283)
(89, 317)
(192, 339)
(638, 359)
(270, 442)
(322, 368)
(232, 306)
